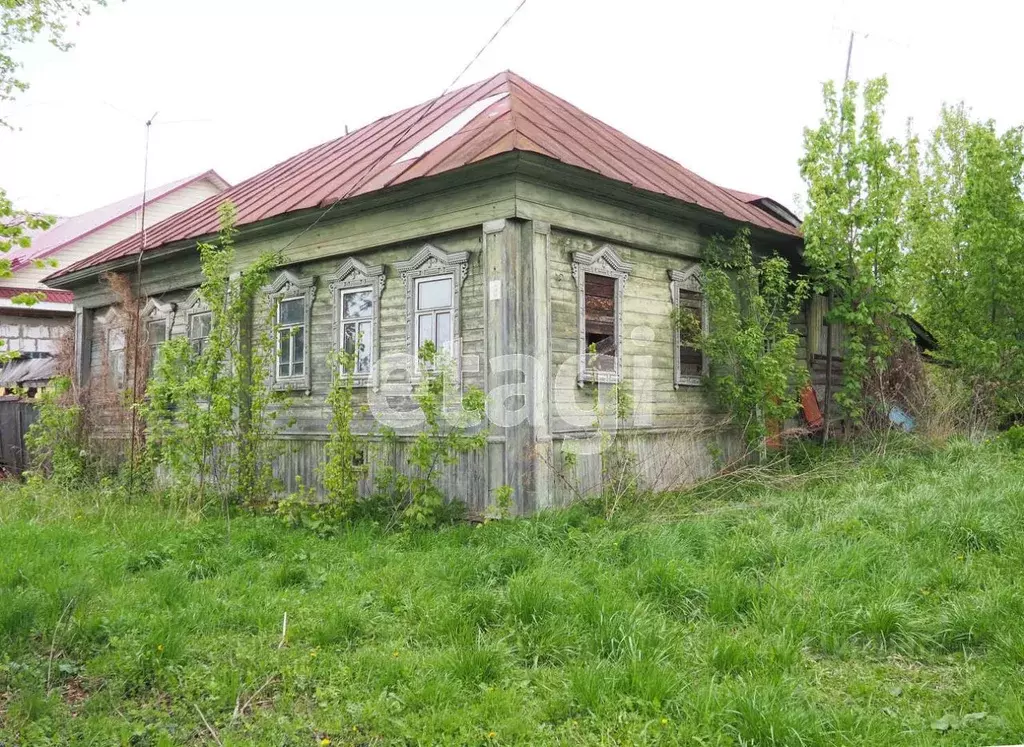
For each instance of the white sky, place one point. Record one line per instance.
(725, 88)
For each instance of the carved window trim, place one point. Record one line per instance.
(285, 286)
(195, 306)
(352, 274)
(691, 279)
(607, 263)
(156, 311)
(113, 320)
(429, 262)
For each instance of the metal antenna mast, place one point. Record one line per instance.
(136, 351)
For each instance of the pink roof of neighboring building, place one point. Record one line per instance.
(68, 230)
(50, 295)
(501, 114)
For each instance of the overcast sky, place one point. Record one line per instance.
(725, 88)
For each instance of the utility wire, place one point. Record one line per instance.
(368, 172)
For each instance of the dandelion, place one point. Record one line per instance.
(492, 734)
(325, 742)
(160, 647)
(395, 655)
(664, 722)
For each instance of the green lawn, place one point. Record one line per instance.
(880, 603)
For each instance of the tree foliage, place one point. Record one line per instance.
(208, 412)
(756, 375)
(856, 188)
(452, 427)
(21, 22)
(965, 238)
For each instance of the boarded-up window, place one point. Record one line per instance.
(817, 330)
(691, 358)
(599, 315)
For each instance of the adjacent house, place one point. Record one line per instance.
(34, 331)
(502, 224)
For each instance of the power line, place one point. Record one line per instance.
(405, 133)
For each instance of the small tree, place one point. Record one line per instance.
(856, 187)
(209, 412)
(447, 434)
(343, 455)
(755, 373)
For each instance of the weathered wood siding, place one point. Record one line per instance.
(648, 338)
(519, 298)
(302, 419)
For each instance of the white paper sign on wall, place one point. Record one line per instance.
(494, 290)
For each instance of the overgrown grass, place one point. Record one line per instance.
(881, 603)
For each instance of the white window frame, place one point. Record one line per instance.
(188, 330)
(433, 312)
(353, 275)
(287, 286)
(692, 281)
(431, 263)
(607, 263)
(293, 332)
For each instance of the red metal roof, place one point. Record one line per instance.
(67, 230)
(515, 115)
(49, 295)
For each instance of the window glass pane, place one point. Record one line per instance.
(283, 349)
(349, 333)
(357, 304)
(434, 294)
(289, 311)
(444, 331)
(426, 329)
(115, 340)
(157, 331)
(199, 325)
(298, 345)
(363, 360)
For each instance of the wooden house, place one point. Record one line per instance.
(501, 223)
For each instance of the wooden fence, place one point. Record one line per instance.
(16, 415)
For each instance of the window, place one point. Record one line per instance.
(356, 289)
(293, 299)
(817, 331)
(434, 313)
(156, 335)
(357, 327)
(599, 321)
(116, 357)
(600, 281)
(157, 317)
(291, 338)
(691, 358)
(433, 286)
(691, 365)
(199, 326)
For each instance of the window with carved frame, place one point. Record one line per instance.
(433, 286)
(356, 289)
(600, 283)
(292, 296)
(690, 362)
